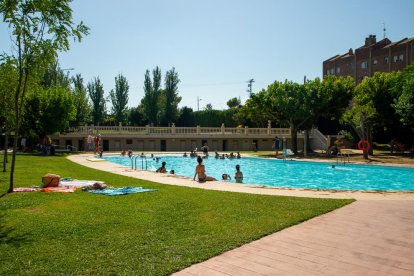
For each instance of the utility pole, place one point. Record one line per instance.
(384, 29)
(198, 103)
(250, 86)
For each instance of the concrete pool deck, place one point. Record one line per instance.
(372, 236)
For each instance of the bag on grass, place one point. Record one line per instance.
(51, 180)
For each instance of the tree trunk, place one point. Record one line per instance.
(16, 136)
(5, 159)
(364, 137)
(369, 139)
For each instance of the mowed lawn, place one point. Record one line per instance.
(154, 233)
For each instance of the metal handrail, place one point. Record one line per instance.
(142, 162)
(132, 162)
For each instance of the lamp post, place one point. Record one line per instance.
(198, 103)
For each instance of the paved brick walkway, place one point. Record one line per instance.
(368, 237)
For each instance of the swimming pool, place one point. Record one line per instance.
(294, 174)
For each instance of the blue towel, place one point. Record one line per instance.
(121, 191)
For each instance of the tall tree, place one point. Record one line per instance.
(171, 98)
(150, 100)
(96, 93)
(53, 75)
(81, 102)
(39, 30)
(119, 98)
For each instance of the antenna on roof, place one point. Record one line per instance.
(384, 29)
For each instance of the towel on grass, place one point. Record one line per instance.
(58, 190)
(26, 189)
(121, 191)
(74, 183)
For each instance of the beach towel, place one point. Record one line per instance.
(67, 182)
(26, 189)
(121, 191)
(58, 190)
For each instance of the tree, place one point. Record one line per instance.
(82, 107)
(233, 102)
(48, 110)
(53, 75)
(119, 98)
(134, 116)
(209, 106)
(39, 30)
(171, 98)
(96, 93)
(149, 102)
(254, 112)
(186, 117)
(404, 103)
(371, 106)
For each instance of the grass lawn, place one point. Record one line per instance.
(155, 233)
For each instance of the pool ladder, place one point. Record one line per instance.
(134, 159)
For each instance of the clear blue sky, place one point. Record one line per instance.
(217, 45)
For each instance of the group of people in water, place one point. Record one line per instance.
(200, 171)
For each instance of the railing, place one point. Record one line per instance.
(159, 131)
(320, 141)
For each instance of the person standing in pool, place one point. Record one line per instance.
(201, 171)
(239, 175)
(162, 169)
(276, 145)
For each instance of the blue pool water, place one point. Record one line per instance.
(295, 174)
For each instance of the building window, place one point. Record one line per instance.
(395, 58)
(129, 141)
(332, 71)
(386, 60)
(375, 62)
(338, 70)
(364, 64)
(327, 71)
(401, 58)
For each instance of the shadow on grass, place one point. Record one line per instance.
(9, 236)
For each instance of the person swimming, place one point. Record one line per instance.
(226, 176)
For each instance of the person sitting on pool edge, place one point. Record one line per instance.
(239, 175)
(201, 172)
(162, 169)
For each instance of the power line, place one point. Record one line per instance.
(211, 84)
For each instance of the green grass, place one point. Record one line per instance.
(154, 233)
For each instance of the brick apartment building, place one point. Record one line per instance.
(381, 56)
